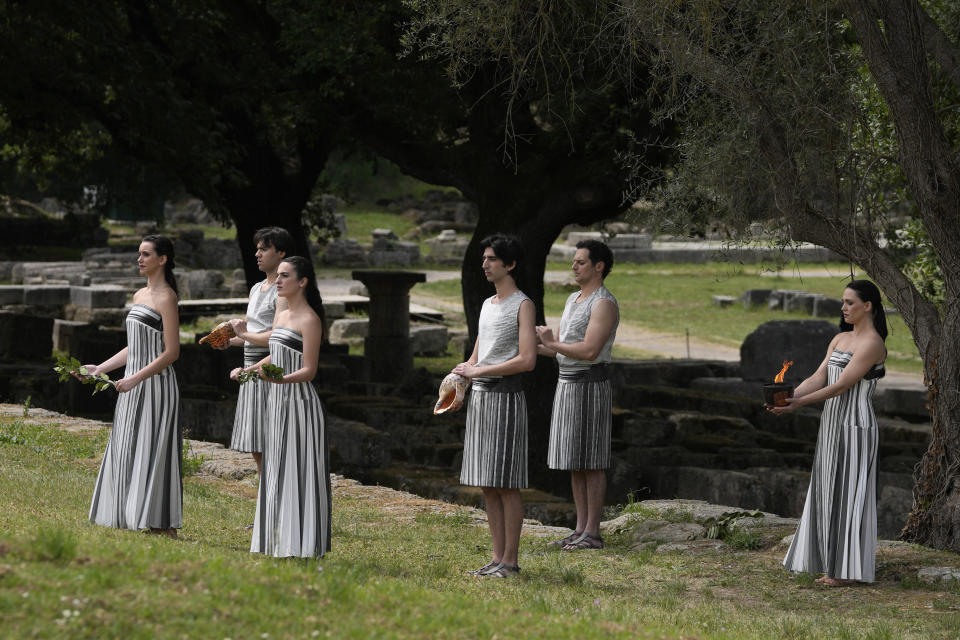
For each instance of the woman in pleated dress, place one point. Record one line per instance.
(139, 485)
(495, 441)
(293, 502)
(837, 535)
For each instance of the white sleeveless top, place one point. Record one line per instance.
(573, 328)
(261, 308)
(498, 333)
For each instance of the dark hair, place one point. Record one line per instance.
(599, 252)
(163, 247)
(304, 269)
(276, 237)
(509, 249)
(868, 292)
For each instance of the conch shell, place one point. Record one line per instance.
(452, 390)
(220, 335)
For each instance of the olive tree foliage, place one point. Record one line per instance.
(834, 123)
(214, 96)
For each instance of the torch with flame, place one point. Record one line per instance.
(778, 379)
(777, 393)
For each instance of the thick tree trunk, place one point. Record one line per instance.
(891, 34)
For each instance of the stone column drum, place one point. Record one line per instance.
(387, 345)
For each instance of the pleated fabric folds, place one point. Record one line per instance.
(139, 484)
(495, 444)
(294, 499)
(251, 415)
(837, 534)
(580, 425)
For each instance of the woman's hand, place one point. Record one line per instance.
(235, 374)
(92, 370)
(466, 370)
(125, 384)
(793, 404)
(264, 376)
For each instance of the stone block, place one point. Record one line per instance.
(334, 310)
(893, 507)
(826, 307)
(722, 301)
(562, 253)
(802, 302)
(69, 334)
(201, 284)
(347, 329)
(25, 336)
(11, 294)
(803, 341)
(428, 340)
(755, 298)
(938, 574)
(98, 296)
(345, 252)
(109, 317)
(46, 294)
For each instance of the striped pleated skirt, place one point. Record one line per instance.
(580, 423)
(248, 422)
(495, 444)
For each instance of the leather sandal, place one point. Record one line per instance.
(585, 541)
(487, 567)
(565, 541)
(502, 571)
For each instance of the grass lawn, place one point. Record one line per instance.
(396, 571)
(673, 298)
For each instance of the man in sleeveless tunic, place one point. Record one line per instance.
(495, 441)
(582, 407)
(253, 332)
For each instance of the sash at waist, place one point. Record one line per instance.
(503, 384)
(596, 373)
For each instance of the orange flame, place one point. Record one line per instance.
(786, 365)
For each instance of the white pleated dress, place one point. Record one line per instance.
(837, 534)
(293, 502)
(140, 485)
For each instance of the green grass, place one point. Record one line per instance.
(673, 298)
(394, 572)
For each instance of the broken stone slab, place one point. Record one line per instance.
(755, 297)
(428, 340)
(802, 302)
(826, 307)
(69, 334)
(661, 532)
(23, 270)
(46, 294)
(98, 296)
(939, 574)
(701, 511)
(722, 301)
(346, 329)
